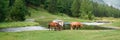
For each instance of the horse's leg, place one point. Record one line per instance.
(52, 28)
(63, 27)
(49, 27)
(71, 27)
(55, 29)
(60, 27)
(79, 26)
(76, 28)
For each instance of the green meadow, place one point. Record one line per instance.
(62, 35)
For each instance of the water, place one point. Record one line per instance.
(20, 29)
(93, 23)
(32, 28)
(88, 23)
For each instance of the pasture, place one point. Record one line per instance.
(62, 35)
(17, 24)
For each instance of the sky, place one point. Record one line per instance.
(114, 3)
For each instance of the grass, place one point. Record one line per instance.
(114, 21)
(43, 17)
(42, 14)
(63, 35)
(116, 24)
(17, 24)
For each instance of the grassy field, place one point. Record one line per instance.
(41, 16)
(62, 35)
(17, 24)
(114, 24)
(117, 24)
(114, 21)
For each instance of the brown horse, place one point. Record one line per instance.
(54, 26)
(75, 25)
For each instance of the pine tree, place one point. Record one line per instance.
(18, 11)
(11, 2)
(34, 2)
(3, 9)
(75, 8)
(86, 9)
(52, 6)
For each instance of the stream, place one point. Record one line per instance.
(20, 29)
(32, 28)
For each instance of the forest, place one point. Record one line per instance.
(16, 10)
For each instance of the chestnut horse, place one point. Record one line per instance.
(54, 26)
(75, 25)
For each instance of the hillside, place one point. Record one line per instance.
(16, 10)
(43, 17)
(42, 14)
(44, 11)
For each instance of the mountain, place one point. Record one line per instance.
(99, 1)
(114, 3)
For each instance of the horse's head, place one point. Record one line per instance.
(61, 23)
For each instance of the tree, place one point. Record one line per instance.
(11, 2)
(86, 10)
(3, 9)
(52, 7)
(18, 11)
(75, 8)
(33, 2)
(64, 6)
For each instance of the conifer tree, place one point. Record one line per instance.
(3, 9)
(18, 11)
(75, 8)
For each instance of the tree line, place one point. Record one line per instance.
(16, 10)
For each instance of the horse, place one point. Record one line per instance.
(75, 25)
(54, 25)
